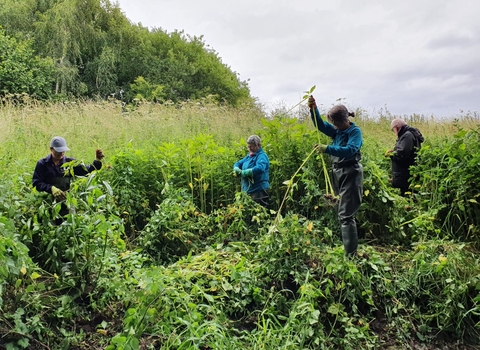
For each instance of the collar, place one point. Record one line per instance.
(49, 159)
(252, 154)
(402, 130)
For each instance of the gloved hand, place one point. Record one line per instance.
(320, 148)
(99, 154)
(389, 153)
(311, 102)
(247, 172)
(237, 170)
(58, 193)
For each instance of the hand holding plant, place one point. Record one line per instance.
(58, 193)
(247, 173)
(99, 154)
(320, 148)
(311, 102)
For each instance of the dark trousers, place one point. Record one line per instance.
(348, 185)
(261, 197)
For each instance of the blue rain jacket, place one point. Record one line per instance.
(346, 143)
(260, 165)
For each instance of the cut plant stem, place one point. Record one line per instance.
(289, 185)
(328, 182)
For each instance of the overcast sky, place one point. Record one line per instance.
(409, 56)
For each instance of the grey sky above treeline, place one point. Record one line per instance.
(406, 57)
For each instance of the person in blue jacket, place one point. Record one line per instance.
(347, 176)
(254, 169)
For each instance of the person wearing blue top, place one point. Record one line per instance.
(254, 169)
(347, 176)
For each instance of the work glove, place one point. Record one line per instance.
(99, 155)
(311, 102)
(237, 170)
(58, 193)
(247, 172)
(320, 148)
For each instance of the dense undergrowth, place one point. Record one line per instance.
(163, 252)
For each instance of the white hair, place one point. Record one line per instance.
(397, 122)
(254, 139)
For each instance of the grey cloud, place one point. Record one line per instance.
(453, 40)
(413, 56)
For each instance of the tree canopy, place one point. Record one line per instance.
(89, 48)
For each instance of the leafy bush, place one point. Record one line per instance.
(447, 181)
(21, 71)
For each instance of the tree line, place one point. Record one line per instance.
(54, 49)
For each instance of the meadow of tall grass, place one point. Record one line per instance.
(26, 130)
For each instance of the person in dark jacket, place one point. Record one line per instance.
(409, 141)
(347, 170)
(49, 176)
(254, 169)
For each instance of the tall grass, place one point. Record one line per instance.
(26, 129)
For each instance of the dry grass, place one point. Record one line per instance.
(25, 131)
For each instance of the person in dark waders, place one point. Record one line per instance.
(403, 156)
(347, 179)
(50, 177)
(254, 169)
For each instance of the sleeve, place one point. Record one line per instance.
(81, 170)
(39, 180)
(320, 124)
(404, 148)
(351, 148)
(239, 164)
(261, 165)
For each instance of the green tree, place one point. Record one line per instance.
(17, 17)
(102, 71)
(23, 72)
(143, 90)
(97, 51)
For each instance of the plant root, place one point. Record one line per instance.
(331, 199)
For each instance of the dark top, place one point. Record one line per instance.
(47, 174)
(408, 143)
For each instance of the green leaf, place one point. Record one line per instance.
(108, 187)
(208, 297)
(334, 309)
(314, 316)
(35, 275)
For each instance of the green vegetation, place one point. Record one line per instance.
(163, 252)
(64, 49)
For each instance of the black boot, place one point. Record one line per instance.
(349, 237)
